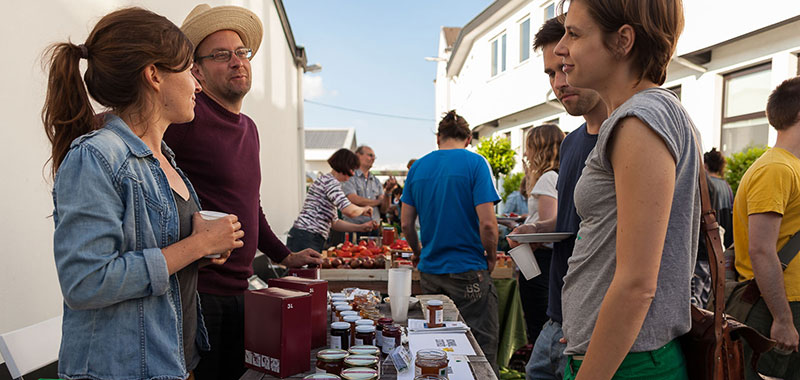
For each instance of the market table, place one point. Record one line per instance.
(481, 369)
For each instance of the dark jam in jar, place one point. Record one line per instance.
(391, 338)
(340, 335)
(365, 335)
(435, 314)
(331, 361)
(431, 362)
(382, 322)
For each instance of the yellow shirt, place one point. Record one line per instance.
(771, 184)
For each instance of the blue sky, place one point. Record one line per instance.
(372, 56)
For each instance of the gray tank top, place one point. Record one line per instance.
(593, 261)
(187, 278)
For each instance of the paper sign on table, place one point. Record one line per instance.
(452, 343)
(419, 326)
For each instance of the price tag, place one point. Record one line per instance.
(401, 357)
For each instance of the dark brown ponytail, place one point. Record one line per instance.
(67, 112)
(453, 126)
(119, 48)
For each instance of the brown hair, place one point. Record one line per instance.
(714, 161)
(550, 33)
(783, 106)
(542, 151)
(453, 126)
(118, 49)
(344, 161)
(657, 24)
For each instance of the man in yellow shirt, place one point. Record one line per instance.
(766, 213)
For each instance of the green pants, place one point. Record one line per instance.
(665, 363)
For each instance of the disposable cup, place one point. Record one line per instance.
(399, 282)
(399, 304)
(212, 215)
(523, 257)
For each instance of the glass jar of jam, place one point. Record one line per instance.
(434, 314)
(322, 376)
(351, 319)
(431, 362)
(340, 335)
(382, 322)
(391, 338)
(364, 350)
(365, 335)
(331, 361)
(359, 373)
(340, 309)
(429, 377)
(367, 361)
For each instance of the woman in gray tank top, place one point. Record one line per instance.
(626, 293)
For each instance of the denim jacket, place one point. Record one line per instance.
(114, 211)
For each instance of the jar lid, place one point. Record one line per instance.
(435, 303)
(359, 373)
(364, 350)
(340, 325)
(360, 361)
(350, 318)
(430, 377)
(331, 354)
(365, 322)
(340, 303)
(385, 321)
(338, 296)
(431, 354)
(391, 328)
(348, 312)
(365, 328)
(322, 376)
(344, 307)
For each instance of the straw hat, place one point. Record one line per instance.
(204, 20)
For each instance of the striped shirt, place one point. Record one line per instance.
(319, 210)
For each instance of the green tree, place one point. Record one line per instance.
(738, 164)
(498, 152)
(511, 184)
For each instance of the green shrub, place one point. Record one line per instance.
(511, 184)
(498, 152)
(738, 164)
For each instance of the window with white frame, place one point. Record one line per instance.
(498, 46)
(744, 120)
(549, 11)
(525, 39)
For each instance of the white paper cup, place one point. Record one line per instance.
(523, 257)
(212, 215)
(399, 282)
(399, 304)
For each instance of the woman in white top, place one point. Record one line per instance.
(541, 173)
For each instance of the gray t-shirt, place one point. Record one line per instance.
(592, 265)
(369, 188)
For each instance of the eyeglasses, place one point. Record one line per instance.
(225, 55)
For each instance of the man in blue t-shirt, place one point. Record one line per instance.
(452, 192)
(547, 359)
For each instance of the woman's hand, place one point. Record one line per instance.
(219, 236)
(524, 229)
(367, 226)
(206, 261)
(366, 211)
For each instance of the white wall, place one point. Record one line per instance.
(29, 290)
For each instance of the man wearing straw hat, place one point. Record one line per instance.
(219, 151)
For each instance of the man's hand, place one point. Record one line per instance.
(304, 257)
(414, 260)
(785, 334)
(524, 229)
(377, 202)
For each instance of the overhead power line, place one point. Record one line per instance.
(367, 112)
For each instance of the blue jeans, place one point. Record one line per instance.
(547, 358)
(299, 240)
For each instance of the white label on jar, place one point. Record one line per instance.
(388, 345)
(379, 338)
(439, 315)
(359, 342)
(336, 342)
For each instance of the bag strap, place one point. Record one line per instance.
(789, 250)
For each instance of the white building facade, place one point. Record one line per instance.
(728, 60)
(29, 289)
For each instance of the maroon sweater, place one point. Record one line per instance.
(219, 152)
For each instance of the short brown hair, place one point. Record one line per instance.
(453, 126)
(657, 24)
(783, 106)
(550, 33)
(344, 161)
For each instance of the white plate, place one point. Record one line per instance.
(507, 218)
(547, 237)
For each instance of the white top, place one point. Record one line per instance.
(546, 185)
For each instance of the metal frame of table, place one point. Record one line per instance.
(481, 369)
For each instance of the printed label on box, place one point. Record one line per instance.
(262, 361)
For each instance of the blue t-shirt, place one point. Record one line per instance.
(444, 187)
(574, 150)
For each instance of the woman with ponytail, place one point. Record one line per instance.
(128, 239)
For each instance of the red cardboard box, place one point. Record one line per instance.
(319, 304)
(277, 333)
(312, 273)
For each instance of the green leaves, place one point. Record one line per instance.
(511, 184)
(498, 152)
(738, 164)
